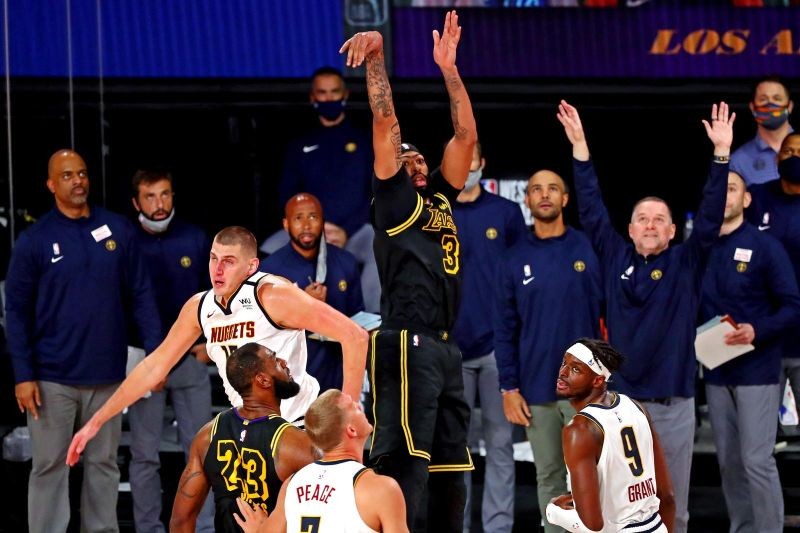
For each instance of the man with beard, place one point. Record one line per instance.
(245, 452)
(328, 273)
(174, 254)
(415, 366)
(619, 476)
(749, 277)
(243, 306)
(775, 209)
(73, 277)
(771, 107)
(551, 273)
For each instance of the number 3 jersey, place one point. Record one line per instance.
(320, 498)
(417, 251)
(245, 320)
(240, 463)
(626, 467)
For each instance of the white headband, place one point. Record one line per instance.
(586, 356)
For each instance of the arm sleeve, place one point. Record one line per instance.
(21, 295)
(592, 211)
(566, 518)
(783, 286)
(506, 328)
(142, 297)
(711, 212)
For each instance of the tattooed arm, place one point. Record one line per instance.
(458, 152)
(193, 486)
(385, 127)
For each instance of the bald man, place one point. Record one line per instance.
(72, 277)
(551, 274)
(328, 273)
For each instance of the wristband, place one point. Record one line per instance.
(721, 159)
(566, 518)
(506, 391)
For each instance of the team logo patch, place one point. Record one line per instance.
(656, 275)
(111, 245)
(186, 261)
(342, 285)
(350, 148)
(491, 233)
(579, 266)
(741, 267)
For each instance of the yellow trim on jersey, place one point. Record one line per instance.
(214, 425)
(273, 445)
(445, 200)
(404, 399)
(373, 387)
(587, 416)
(413, 218)
(454, 468)
(358, 477)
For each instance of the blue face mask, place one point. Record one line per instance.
(330, 110)
(789, 169)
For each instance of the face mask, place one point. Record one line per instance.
(771, 116)
(330, 110)
(789, 169)
(473, 178)
(155, 226)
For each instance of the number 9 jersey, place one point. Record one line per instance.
(626, 467)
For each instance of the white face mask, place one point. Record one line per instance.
(155, 226)
(473, 178)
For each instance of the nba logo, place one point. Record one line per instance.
(56, 249)
(490, 185)
(527, 271)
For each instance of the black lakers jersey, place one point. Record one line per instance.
(240, 464)
(417, 251)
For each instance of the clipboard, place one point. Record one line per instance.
(709, 344)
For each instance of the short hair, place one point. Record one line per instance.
(788, 137)
(744, 182)
(325, 420)
(651, 199)
(243, 365)
(770, 79)
(327, 70)
(233, 235)
(564, 183)
(609, 357)
(148, 177)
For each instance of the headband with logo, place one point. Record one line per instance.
(582, 352)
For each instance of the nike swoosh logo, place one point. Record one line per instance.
(56, 259)
(762, 228)
(624, 277)
(311, 148)
(210, 314)
(528, 280)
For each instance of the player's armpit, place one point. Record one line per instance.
(293, 451)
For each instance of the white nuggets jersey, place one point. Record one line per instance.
(626, 467)
(245, 320)
(321, 498)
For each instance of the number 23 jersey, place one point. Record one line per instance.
(245, 320)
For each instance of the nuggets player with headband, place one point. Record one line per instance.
(620, 480)
(243, 306)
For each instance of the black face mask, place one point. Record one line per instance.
(789, 169)
(285, 389)
(330, 110)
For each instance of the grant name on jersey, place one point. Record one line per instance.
(240, 330)
(641, 490)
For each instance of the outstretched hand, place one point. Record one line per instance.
(251, 518)
(571, 120)
(360, 45)
(720, 129)
(444, 46)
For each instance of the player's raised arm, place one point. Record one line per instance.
(458, 152)
(292, 308)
